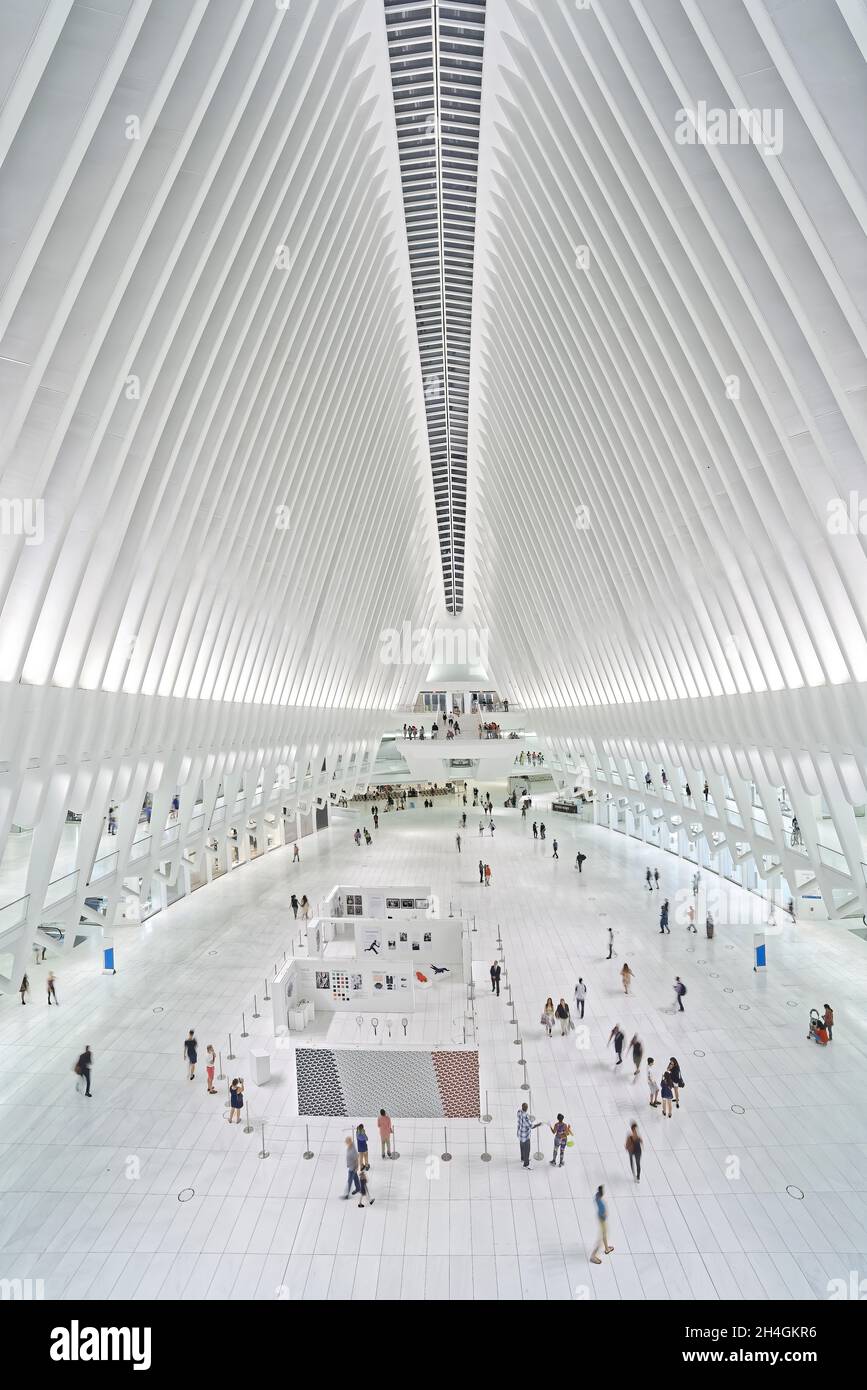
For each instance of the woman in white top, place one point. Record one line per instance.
(210, 1064)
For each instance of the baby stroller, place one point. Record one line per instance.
(818, 1032)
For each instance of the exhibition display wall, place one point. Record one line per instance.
(410, 1083)
(376, 901)
(381, 961)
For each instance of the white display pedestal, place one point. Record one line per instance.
(260, 1066)
(300, 1017)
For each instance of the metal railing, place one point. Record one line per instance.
(104, 866)
(60, 889)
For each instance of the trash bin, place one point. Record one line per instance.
(708, 926)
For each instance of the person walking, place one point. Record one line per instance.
(652, 1086)
(305, 909)
(352, 1183)
(293, 903)
(663, 919)
(525, 1129)
(210, 1067)
(492, 827)
(458, 843)
(677, 1081)
(616, 1036)
(656, 879)
(580, 996)
(548, 1015)
(481, 871)
(705, 790)
(535, 831)
(610, 943)
(24, 988)
(191, 1052)
(487, 875)
(637, 1053)
(626, 977)
(50, 987)
(649, 880)
(481, 827)
(690, 919)
(561, 1132)
(580, 860)
(633, 1148)
(666, 1092)
(495, 978)
(386, 1130)
(828, 1020)
(83, 1068)
(364, 1189)
(602, 1215)
(541, 830)
(562, 1012)
(555, 846)
(361, 1145)
(679, 992)
(296, 855)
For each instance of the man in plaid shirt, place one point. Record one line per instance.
(525, 1128)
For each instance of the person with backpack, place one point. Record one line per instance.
(562, 1133)
(633, 1148)
(679, 992)
(580, 860)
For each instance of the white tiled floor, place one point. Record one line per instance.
(74, 1213)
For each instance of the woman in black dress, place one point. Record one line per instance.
(677, 1080)
(236, 1095)
(191, 1052)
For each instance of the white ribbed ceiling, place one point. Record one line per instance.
(669, 390)
(210, 366)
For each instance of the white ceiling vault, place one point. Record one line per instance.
(207, 363)
(322, 320)
(669, 389)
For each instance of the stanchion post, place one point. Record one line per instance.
(267, 995)
(538, 1155)
(230, 1056)
(248, 1128)
(244, 1033)
(525, 1085)
(486, 1157)
(445, 1155)
(308, 1152)
(263, 1152)
(486, 1118)
(220, 1076)
(256, 1013)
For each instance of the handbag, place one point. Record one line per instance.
(571, 1024)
